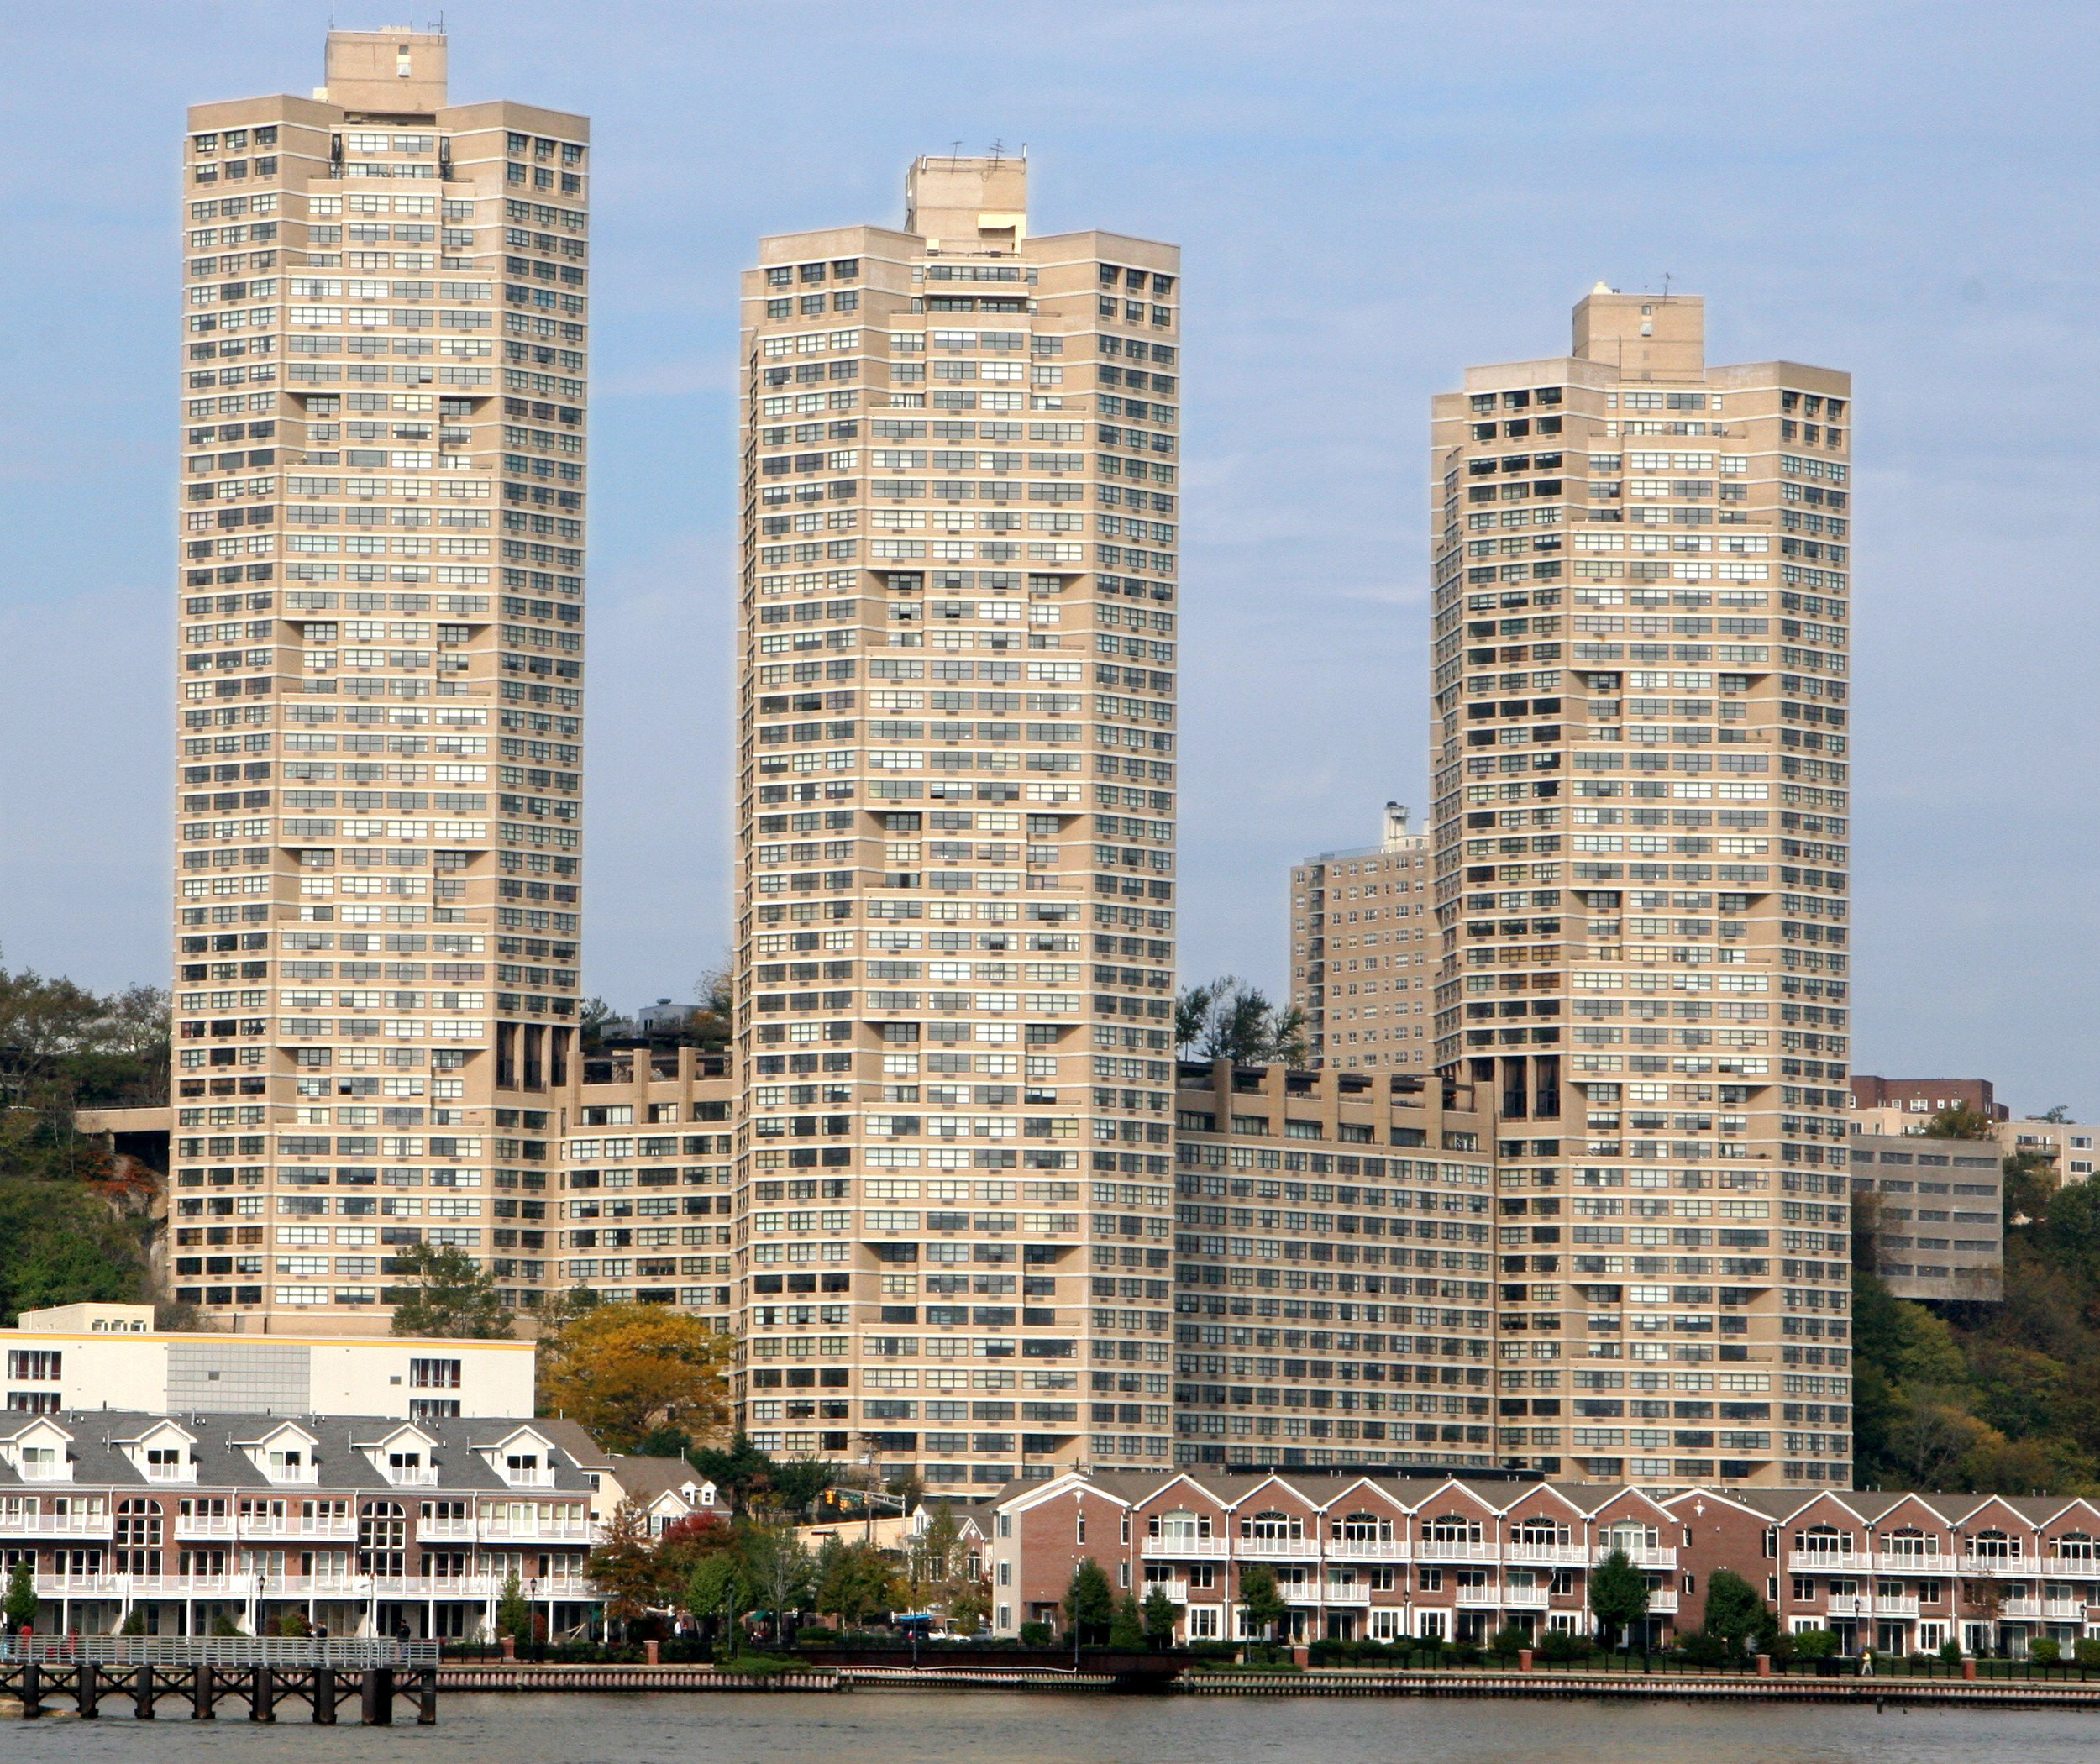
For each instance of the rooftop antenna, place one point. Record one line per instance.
(1665, 285)
(998, 150)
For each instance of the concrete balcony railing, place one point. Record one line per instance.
(1186, 1549)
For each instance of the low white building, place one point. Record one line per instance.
(83, 1357)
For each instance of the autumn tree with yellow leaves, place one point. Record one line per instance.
(624, 1372)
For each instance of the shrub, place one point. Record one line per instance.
(1464, 1653)
(2045, 1651)
(1703, 1647)
(1508, 1642)
(2088, 1651)
(816, 1634)
(1562, 1645)
(1035, 1634)
(1814, 1644)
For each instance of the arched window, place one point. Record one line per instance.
(1909, 1543)
(1630, 1535)
(1178, 1527)
(1823, 1540)
(1364, 1528)
(2072, 1546)
(382, 1537)
(1539, 1533)
(1453, 1528)
(1994, 1544)
(1273, 1524)
(137, 1537)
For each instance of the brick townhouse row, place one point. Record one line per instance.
(1380, 1558)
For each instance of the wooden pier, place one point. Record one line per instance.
(257, 1676)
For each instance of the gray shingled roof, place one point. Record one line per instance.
(98, 1461)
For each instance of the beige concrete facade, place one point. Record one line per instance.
(1364, 950)
(956, 778)
(1334, 1271)
(1641, 753)
(377, 886)
(1932, 1212)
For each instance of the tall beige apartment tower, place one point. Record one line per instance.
(1641, 756)
(379, 719)
(956, 774)
(1364, 950)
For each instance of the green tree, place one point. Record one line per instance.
(19, 1603)
(451, 1294)
(514, 1611)
(781, 1571)
(1228, 1019)
(854, 1582)
(1734, 1612)
(1127, 1628)
(1089, 1604)
(718, 1594)
(1261, 1603)
(1160, 1616)
(1618, 1595)
(1960, 1121)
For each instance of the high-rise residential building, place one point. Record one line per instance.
(380, 725)
(1362, 949)
(1640, 748)
(1335, 1273)
(956, 774)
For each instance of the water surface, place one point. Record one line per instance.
(970, 1728)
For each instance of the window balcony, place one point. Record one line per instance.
(1474, 1599)
(1367, 1549)
(1177, 1590)
(1554, 1555)
(1186, 1549)
(1662, 1604)
(1828, 1561)
(1525, 1599)
(1643, 1557)
(55, 1525)
(1885, 1564)
(1440, 1550)
(444, 1530)
(1996, 1564)
(1268, 1548)
(402, 1478)
(205, 1525)
(527, 1478)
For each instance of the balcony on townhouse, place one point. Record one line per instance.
(29, 1523)
(1996, 1564)
(444, 1530)
(1432, 1549)
(1529, 1598)
(1474, 1599)
(1548, 1556)
(1186, 1549)
(1268, 1548)
(1828, 1561)
(1885, 1564)
(1641, 1556)
(1367, 1549)
(1177, 1590)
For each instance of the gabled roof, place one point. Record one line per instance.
(268, 1435)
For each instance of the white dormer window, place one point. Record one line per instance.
(168, 1464)
(408, 1467)
(44, 1464)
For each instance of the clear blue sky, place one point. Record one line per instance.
(1370, 196)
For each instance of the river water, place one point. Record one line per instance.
(985, 1728)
